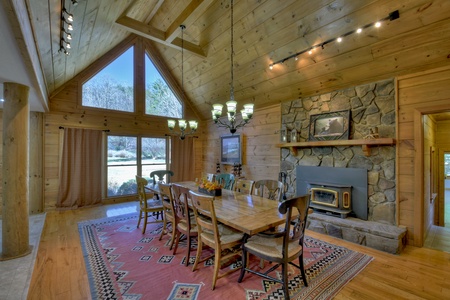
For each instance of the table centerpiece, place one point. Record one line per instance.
(210, 188)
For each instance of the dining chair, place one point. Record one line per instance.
(161, 176)
(244, 186)
(224, 240)
(165, 193)
(226, 180)
(185, 219)
(282, 247)
(270, 189)
(148, 205)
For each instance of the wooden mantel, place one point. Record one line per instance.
(365, 144)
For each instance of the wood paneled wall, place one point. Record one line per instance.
(418, 94)
(261, 159)
(36, 153)
(443, 146)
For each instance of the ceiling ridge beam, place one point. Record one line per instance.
(192, 12)
(157, 35)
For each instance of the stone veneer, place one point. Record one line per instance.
(370, 105)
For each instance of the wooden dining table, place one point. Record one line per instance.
(247, 213)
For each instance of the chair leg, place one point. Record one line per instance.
(172, 237)
(302, 269)
(199, 252)
(177, 239)
(145, 222)
(140, 218)
(188, 251)
(217, 256)
(285, 279)
(244, 264)
(163, 228)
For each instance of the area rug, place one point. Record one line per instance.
(123, 263)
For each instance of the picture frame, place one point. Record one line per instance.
(231, 149)
(329, 126)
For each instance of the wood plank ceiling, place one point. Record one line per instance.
(264, 32)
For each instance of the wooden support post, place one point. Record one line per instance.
(15, 224)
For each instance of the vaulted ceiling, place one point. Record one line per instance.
(265, 31)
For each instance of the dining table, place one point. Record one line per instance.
(249, 214)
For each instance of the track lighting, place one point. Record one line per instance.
(392, 16)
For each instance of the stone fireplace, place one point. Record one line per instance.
(371, 105)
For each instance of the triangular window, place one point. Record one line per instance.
(159, 98)
(112, 87)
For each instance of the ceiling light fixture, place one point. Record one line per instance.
(182, 125)
(66, 19)
(392, 16)
(246, 113)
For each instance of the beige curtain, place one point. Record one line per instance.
(80, 176)
(182, 157)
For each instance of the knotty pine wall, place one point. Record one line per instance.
(261, 158)
(442, 146)
(418, 94)
(35, 184)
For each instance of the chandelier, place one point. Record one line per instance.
(246, 113)
(182, 124)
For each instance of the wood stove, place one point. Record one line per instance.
(334, 199)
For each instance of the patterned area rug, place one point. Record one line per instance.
(123, 263)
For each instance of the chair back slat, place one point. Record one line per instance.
(161, 176)
(244, 186)
(142, 194)
(204, 212)
(226, 180)
(294, 229)
(270, 189)
(181, 204)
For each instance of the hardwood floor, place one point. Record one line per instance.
(60, 273)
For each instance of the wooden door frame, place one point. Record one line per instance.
(419, 112)
(441, 190)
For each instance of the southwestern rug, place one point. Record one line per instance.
(123, 263)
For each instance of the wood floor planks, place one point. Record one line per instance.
(60, 273)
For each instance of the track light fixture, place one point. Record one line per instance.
(65, 35)
(69, 15)
(392, 16)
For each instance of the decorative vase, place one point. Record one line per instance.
(216, 192)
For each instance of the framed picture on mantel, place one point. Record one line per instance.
(329, 126)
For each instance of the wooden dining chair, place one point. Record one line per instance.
(226, 180)
(148, 205)
(270, 189)
(282, 247)
(161, 176)
(185, 219)
(244, 186)
(224, 240)
(165, 193)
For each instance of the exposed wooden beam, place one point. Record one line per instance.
(187, 16)
(157, 35)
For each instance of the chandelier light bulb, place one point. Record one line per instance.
(359, 30)
(377, 24)
(339, 39)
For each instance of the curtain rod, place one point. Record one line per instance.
(61, 127)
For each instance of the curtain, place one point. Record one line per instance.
(182, 156)
(80, 175)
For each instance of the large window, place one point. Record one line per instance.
(112, 87)
(129, 156)
(159, 98)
